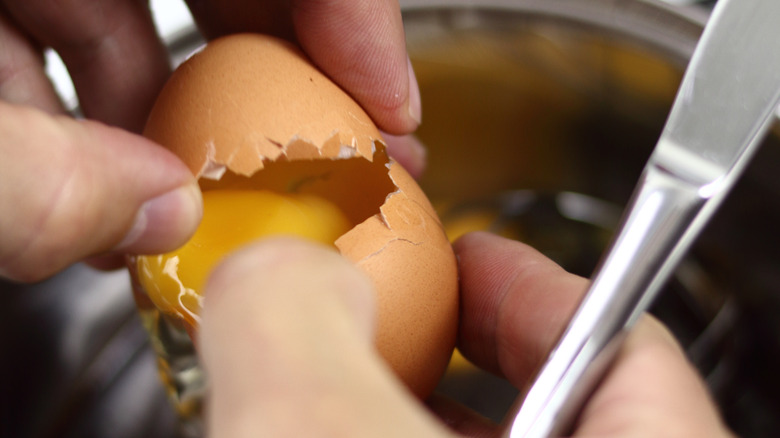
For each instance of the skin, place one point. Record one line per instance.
(60, 180)
(317, 374)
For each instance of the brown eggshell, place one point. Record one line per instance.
(237, 104)
(251, 111)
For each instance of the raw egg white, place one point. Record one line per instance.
(251, 113)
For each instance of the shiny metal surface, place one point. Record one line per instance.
(725, 103)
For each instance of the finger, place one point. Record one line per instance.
(670, 399)
(359, 44)
(287, 343)
(515, 304)
(408, 151)
(73, 189)
(22, 76)
(110, 48)
(369, 60)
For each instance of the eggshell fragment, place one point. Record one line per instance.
(251, 111)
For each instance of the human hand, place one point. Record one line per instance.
(73, 189)
(291, 355)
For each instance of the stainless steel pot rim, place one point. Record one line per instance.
(591, 10)
(672, 28)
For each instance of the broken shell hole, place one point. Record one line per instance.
(358, 186)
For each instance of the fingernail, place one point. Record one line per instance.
(419, 151)
(419, 158)
(165, 222)
(415, 102)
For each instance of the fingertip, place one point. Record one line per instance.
(86, 204)
(285, 332)
(284, 271)
(473, 239)
(392, 99)
(369, 61)
(409, 152)
(484, 254)
(515, 303)
(650, 330)
(164, 222)
(414, 104)
(272, 305)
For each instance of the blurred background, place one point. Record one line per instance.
(539, 116)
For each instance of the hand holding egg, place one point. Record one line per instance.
(72, 190)
(280, 149)
(270, 380)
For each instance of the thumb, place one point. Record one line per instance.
(71, 189)
(287, 344)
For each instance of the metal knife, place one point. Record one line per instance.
(728, 97)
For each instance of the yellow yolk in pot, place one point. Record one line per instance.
(232, 218)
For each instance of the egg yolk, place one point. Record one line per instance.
(232, 218)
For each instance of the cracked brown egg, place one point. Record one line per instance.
(280, 149)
